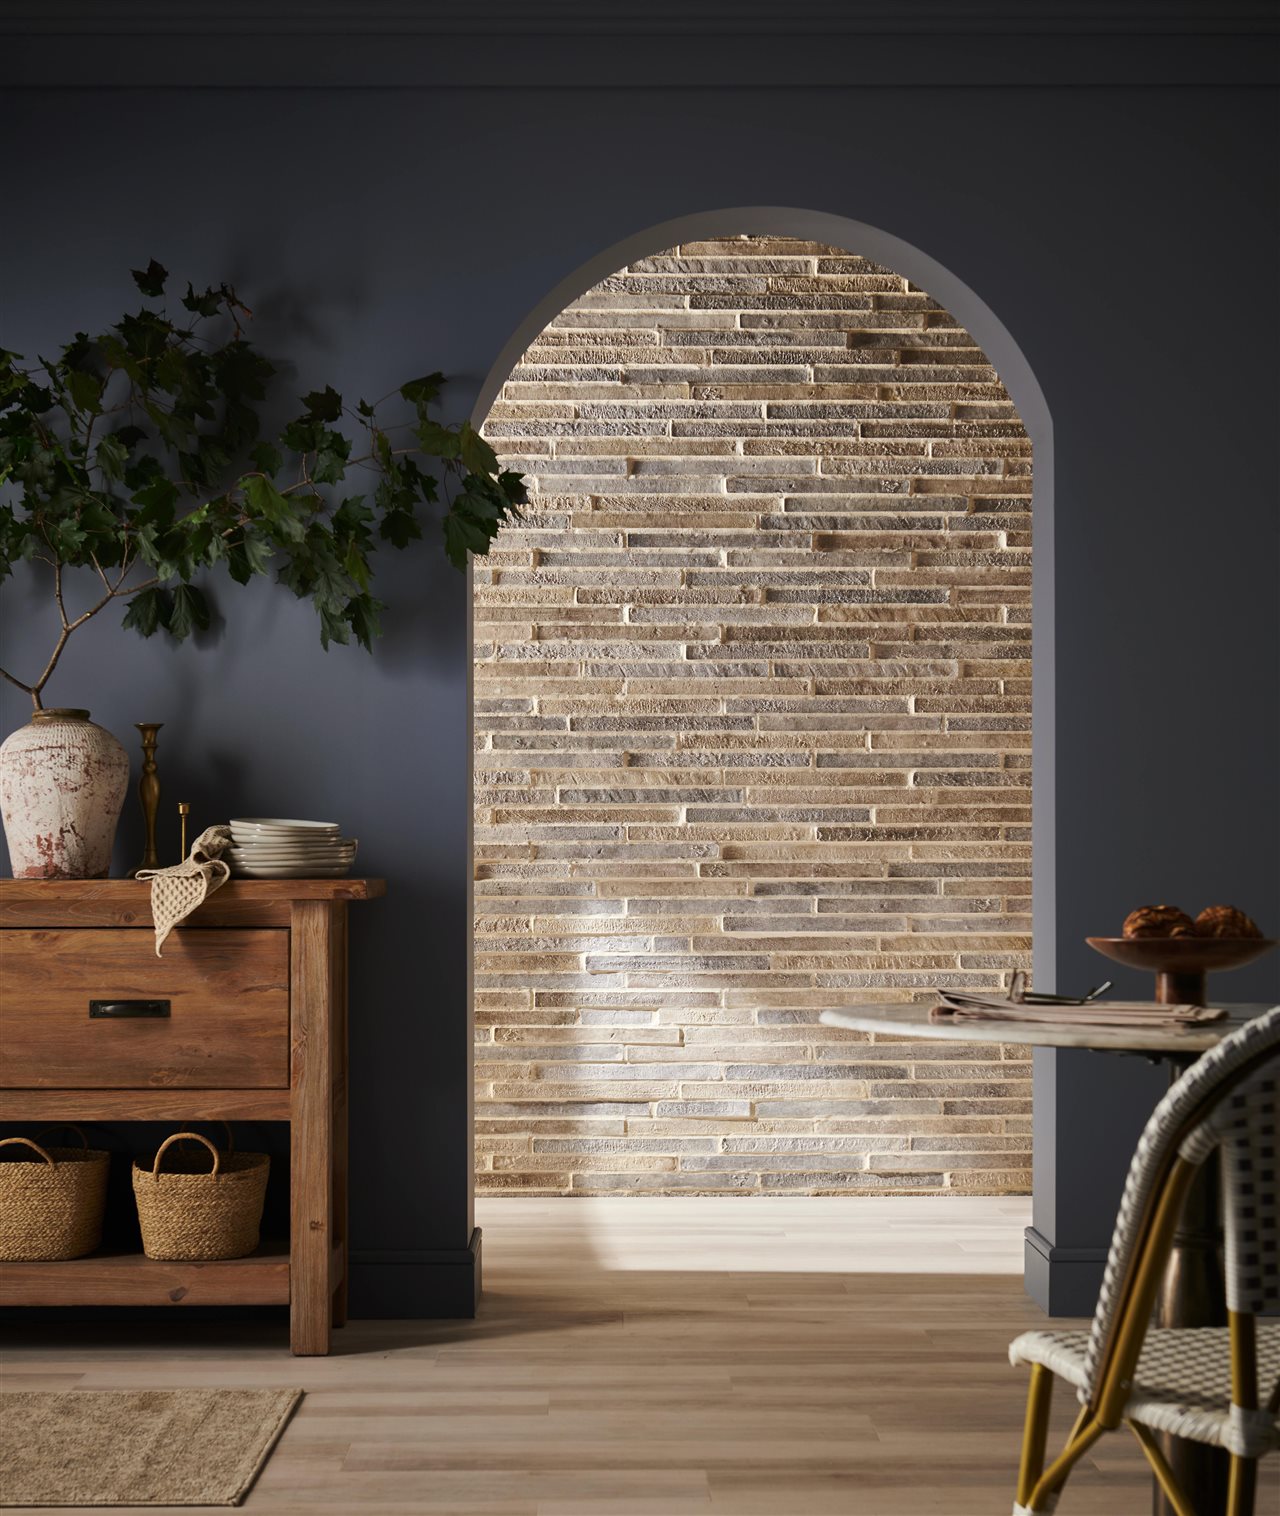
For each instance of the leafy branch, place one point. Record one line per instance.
(138, 454)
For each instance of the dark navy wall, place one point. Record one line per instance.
(1127, 237)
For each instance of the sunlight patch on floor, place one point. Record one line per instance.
(962, 1234)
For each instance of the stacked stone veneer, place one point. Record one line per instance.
(752, 715)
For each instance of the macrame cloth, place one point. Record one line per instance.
(177, 891)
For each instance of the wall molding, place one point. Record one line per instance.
(1061, 1281)
(677, 44)
(400, 18)
(416, 1283)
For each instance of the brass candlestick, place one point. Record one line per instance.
(149, 794)
(184, 810)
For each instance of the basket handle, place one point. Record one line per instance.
(28, 1142)
(65, 1126)
(178, 1137)
(226, 1127)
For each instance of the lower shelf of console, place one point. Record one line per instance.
(112, 1278)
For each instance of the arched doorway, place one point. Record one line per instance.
(752, 704)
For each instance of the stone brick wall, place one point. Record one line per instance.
(753, 710)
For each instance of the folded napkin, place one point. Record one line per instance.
(177, 891)
(1096, 1013)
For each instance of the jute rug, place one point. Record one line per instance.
(137, 1447)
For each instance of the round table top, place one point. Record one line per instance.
(915, 1021)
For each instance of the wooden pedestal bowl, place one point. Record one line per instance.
(1180, 964)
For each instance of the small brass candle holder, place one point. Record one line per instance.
(149, 794)
(184, 810)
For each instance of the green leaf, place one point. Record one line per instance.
(356, 565)
(258, 551)
(176, 372)
(143, 336)
(85, 390)
(331, 461)
(477, 455)
(333, 627)
(100, 525)
(204, 304)
(266, 459)
(399, 528)
(77, 352)
(249, 556)
(428, 488)
(353, 518)
(156, 501)
(438, 441)
(66, 538)
(266, 502)
(363, 408)
(144, 613)
(323, 405)
(112, 456)
(188, 613)
(462, 537)
(481, 499)
(150, 280)
(362, 614)
(36, 399)
(302, 435)
(332, 450)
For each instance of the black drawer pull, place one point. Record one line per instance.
(119, 1010)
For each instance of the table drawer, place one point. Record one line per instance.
(212, 1013)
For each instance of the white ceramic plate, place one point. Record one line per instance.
(314, 839)
(322, 845)
(289, 871)
(281, 823)
(338, 845)
(310, 849)
(291, 863)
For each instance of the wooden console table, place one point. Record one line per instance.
(243, 1018)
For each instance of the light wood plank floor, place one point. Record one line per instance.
(654, 1357)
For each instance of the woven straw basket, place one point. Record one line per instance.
(51, 1205)
(187, 1213)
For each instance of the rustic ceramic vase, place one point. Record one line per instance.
(62, 783)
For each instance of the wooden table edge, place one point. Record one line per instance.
(1117, 1039)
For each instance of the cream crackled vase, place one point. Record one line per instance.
(62, 783)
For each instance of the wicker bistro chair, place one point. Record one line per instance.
(1216, 1385)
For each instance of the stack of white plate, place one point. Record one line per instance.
(273, 847)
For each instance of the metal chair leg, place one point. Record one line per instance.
(1242, 1486)
(1083, 1436)
(1035, 1431)
(1165, 1476)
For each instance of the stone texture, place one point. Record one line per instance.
(753, 738)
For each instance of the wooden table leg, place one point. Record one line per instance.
(340, 1107)
(311, 1125)
(1193, 1294)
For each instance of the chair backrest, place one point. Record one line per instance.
(1244, 1126)
(1210, 1108)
